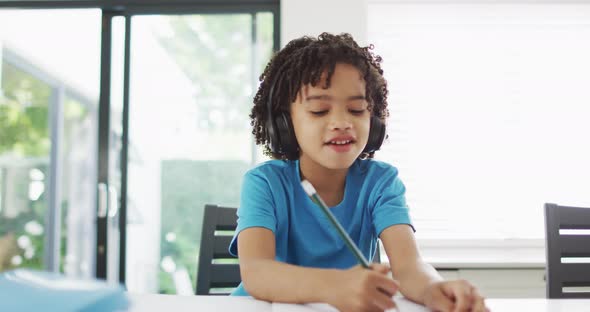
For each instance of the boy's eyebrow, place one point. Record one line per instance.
(326, 97)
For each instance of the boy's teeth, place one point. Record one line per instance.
(340, 142)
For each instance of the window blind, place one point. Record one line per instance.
(489, 112)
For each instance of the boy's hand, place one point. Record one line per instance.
(360, 289)
(454, 296)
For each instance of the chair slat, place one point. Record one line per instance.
(574, 245)
(226, 275)
(580, 295)
(574, 217)
(226, 219)
(575, 274)
(220, 249)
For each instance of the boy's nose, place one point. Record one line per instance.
(340, 122)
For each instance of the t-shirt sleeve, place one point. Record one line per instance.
(389, 206)
(256, 207)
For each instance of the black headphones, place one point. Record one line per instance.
(282, 136)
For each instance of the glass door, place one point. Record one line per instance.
(192, 79)
(48, 146)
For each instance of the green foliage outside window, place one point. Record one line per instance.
(215, 53)
(23, 114)
(187, 186)
(24, 134)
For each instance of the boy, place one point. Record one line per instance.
(320, 113)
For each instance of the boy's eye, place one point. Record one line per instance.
(357, 111)
(319, 113)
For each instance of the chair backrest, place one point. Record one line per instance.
(212, 275)
(377, 257)
(569, 273)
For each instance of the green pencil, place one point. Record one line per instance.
(311, 192)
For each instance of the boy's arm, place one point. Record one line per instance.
(260, 276)
(406, 264)
(267, 279)
(419, 281)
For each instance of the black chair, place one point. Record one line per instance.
(212, 276)
(559, 246)
(377, 257)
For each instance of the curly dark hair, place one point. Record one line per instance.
(303, 61)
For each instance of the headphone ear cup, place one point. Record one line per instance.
(376, 135)
(272, 134)
(286, 134)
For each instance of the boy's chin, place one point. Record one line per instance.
(337, 163)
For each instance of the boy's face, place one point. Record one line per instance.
(332, 125)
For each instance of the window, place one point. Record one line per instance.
(48, 102)
(489, 112)
(192, 82)
(171, 132)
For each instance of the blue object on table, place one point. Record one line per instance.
(29, 290)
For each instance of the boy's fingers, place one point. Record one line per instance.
(463, 299)
(389, 286)
(383, 301)
(442, 301)
(388, 289)
(479, 305)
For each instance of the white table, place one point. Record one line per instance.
(170, 303)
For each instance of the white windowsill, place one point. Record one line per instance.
(482, 254)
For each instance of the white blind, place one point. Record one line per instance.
(490, 112)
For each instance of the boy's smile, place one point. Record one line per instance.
(332, 125)
(341, 143)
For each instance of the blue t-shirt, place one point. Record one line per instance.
(272, 197)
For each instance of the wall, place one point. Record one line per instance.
(308, 17)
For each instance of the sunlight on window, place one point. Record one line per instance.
(489, 114)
